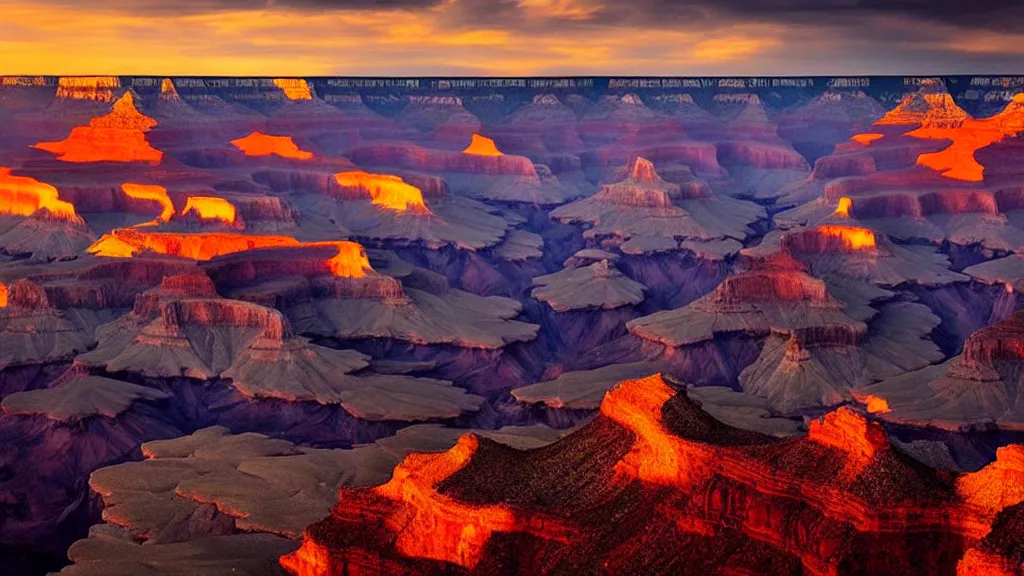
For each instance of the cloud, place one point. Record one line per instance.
(508, 37)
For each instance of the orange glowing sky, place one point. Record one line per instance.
(503, 37)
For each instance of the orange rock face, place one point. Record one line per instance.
(867, 138)
(481, 146)
(90, 88)
(832, 238)
(23, 196)
(152, 193)
(654, 472)
(119, 136)
(208, 208)
(843, 207)
(259, 144)
(385, 190)
(350, 262)
(294, 88)
(3, 296)
(958, 161)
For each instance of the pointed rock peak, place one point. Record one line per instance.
(932, 86)
(482, 146)
(931, 106)
(850, 432)
(125, 115)
(295, 88)
(547, 100)
(168, 90)
(640, 169)
(89, 88)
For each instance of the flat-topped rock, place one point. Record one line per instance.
(599, 285)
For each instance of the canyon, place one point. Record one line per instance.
(321, 326)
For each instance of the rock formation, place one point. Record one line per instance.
(119, 136)
(641, 204)
(213, 501)
(978, 388)
(818, 346)
(599, 285)
(661, 467)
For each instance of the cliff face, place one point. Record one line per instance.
(668, 473)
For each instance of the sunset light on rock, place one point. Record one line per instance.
(259, 144)
(24, 196)
(119, 136)
(958, 161)
(385, 190)
(152, 193)
(90, 88)
(294, 89)
(511, 288)
(481, 146)
(207, 208)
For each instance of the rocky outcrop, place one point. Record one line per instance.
(640, 203)
(213, 501)
(119, 136)
(600, 286)
(977, 388)
(653, 460)
(819, 346)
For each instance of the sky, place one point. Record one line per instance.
(511, 37)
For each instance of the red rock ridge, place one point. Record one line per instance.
(654, 472)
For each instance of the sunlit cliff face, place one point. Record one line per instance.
(119, 136)
(209, 208)
(37, 81)
(152, 193)
(658, 456)
(850, 238)
(3, 296)
(481, 146)
(294, 89)
(866, 139)
(957, 161)
(350, 262)
(843, 208)
(931, 109)
(23, 196)
(259, 144)
(386, 191)
(89, 88)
